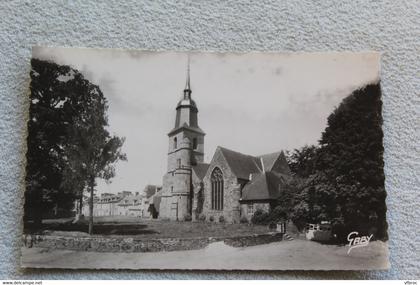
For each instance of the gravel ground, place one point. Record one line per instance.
(295, 254)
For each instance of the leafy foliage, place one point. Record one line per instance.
(302, 161)
(260, 217)
(68, 143)
(202, 217)
(351, 156)
(187, 218)
(276, 215)
(149, 190)
(342, 180)
(243, 220)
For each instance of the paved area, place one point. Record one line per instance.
(294, 254)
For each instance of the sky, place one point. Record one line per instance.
(254, 103)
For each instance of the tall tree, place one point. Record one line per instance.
(342, 180)
(302, 161)
(68, 144)
(101, 151)
(90, 144)
(48, 121)
(351, 156)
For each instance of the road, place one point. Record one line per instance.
(296, 254)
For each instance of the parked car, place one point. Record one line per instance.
(319, 232)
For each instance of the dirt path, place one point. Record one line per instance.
(296, 254)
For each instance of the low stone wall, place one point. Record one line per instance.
(243, 241)
(110, 244)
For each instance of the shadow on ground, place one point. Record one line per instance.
(108, 228)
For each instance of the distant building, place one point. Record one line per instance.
(124, 203)
(131, 206)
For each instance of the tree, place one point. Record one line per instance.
(68, 144)
(342, 180)
(315, 201)
(351, 156)
(302, 161)
(149, 190)
(47, 125)
(93, 147)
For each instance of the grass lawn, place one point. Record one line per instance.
(147, 229)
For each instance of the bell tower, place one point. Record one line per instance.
(186, 149)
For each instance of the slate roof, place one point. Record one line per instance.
(263, 186)
(269, 160)
(268, 177)
(200, 169)
(132, 199)
(241, 164)
(187, 127)
(109, 199)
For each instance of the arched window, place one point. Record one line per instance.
(217, 189)
(175, 143)
(194, 143)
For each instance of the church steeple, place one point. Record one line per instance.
(186, 109)
(186, 149)
(187, 89)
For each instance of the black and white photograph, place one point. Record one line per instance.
(203, 160)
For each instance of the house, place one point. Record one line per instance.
(105, 205)
(123, 203)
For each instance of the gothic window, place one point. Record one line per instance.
(217, 189)
(195, 143)
(175, 143)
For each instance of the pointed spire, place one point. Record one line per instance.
(187, 89)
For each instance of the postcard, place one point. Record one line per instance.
(199, 160)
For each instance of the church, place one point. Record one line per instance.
(230, 188)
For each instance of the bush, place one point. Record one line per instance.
(243, 220)
(202, 217)
(278, 214)
(187, 218)
(272, 226)
(273, 217)
(260, 217)
(221, 219)
(211, 219)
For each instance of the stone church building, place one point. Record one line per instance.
(232, 185)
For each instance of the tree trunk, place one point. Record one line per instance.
(81, 203)
(36, 208)
(37, 219)
(91, 186)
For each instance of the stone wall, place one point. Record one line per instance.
(243, 241)
(109, 244)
